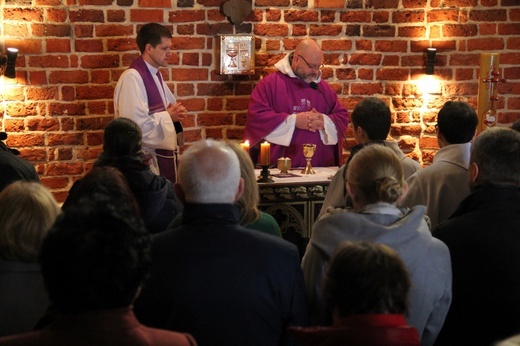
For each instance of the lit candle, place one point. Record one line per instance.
(265, 153)
(245, 145)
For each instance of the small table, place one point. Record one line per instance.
(295, 201)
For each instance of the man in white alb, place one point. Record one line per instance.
(142, 96)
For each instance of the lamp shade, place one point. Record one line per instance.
(430, 60)
(12, 54)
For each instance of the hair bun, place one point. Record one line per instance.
(389, 189)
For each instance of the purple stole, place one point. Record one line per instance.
(165, 158)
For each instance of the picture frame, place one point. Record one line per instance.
(237, 54)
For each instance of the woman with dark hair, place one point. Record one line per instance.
(122, 149)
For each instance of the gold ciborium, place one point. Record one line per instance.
(284, 165)
(308, 152)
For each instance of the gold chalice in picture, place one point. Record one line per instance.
(232, 52)
(308, 152)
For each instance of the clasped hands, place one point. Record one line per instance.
(311, 120)
(176, 111)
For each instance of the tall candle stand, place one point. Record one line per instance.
(265, 175)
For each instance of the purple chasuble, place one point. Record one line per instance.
(277, 96)
(165, 158)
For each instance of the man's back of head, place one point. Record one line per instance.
(457, 122)
(374, 117)
(495, 155)
(209, 172)
(95, 256)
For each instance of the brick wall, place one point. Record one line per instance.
(73, 51)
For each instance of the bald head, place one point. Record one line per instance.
(308, 48)
(307, 60)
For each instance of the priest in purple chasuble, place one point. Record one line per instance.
(294, 106)
(142, 96)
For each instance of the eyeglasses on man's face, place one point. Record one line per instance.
(312, 67)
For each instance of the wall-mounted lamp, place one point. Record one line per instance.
(8, 62)
(430, 60)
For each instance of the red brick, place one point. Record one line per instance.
(58, 45)
(325, 30)
(116, 16)
(391, 46)
(386, 4)
(89, 45)
(442, 15)
(234, 104)
(50, 93)
(95, 2)
(488, 15)
(180, 74)
(145, 16)
(16, 30)
(187, 43)
(25, 140)
(300, 16)
(411, 31)
(88, 16)
(58, 30)
(509, 29)
(114, 30)
(100, 61)
(30, 15)
(365, 59)
(408, 17)
(485, 44)
(155, 3)
(414, 3)
(63, 169)
(392, 74)
(461, 30)
(379, 31)
(94, 92)
(366, 88)
(271, 29)
(356, 16)
(186, 16)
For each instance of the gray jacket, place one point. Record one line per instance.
(404, 230)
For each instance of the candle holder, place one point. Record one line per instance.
(265, 175)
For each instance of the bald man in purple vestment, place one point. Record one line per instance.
(294, 106)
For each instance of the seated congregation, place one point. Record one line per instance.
(133, 259)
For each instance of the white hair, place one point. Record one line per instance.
(209, 172)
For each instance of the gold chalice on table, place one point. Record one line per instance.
(308, 152)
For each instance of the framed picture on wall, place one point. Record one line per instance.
(237, 54)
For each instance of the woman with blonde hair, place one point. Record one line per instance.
(27, 212)
(375, 182)
(250, 216)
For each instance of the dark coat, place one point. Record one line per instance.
(483, 237)
(13, 168)
(222, 283)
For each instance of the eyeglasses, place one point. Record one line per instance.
(312, 67)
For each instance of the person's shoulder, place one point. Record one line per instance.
(160, 337)
(130, 74)
(266, 224)
(26, 339)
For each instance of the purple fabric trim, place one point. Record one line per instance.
(155, 102)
